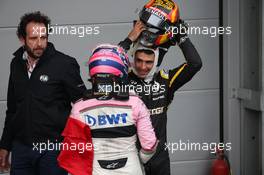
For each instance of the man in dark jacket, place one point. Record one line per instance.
(42, 85)
(157, 87)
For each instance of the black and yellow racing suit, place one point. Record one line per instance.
(158, 100)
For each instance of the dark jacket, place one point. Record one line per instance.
(38, 107)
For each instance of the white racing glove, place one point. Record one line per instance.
(145, 156)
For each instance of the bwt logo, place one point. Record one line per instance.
(106, 119)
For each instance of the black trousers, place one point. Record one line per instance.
(159, 164)
(26, 161)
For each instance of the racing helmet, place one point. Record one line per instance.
(109, 65)
(109, 59)
(158, 16)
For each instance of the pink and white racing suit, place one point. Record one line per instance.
(114, 126)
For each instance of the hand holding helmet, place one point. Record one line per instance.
(179, 32)
(136, 31)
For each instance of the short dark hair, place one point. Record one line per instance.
(37, 17)
(146, 51)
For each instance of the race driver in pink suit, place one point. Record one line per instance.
(111, 118)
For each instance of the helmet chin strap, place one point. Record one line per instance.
(154, 69)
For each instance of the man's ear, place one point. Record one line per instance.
(22, 40)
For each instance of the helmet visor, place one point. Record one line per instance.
(153, 20)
